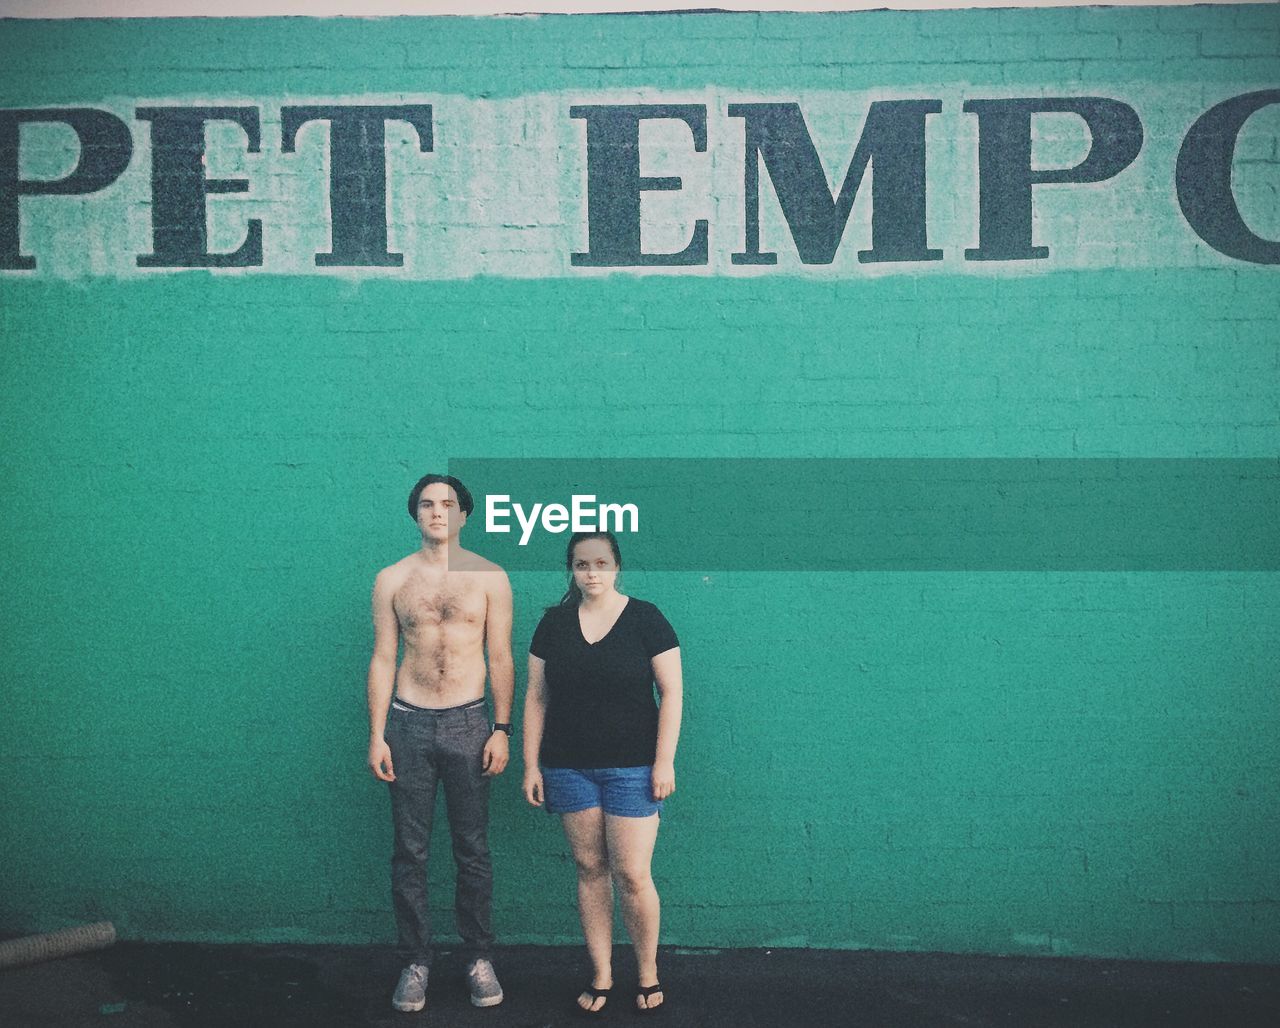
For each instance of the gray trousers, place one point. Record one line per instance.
(429, 747)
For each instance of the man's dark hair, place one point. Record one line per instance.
(464, 496)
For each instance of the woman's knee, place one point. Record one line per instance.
(632, 880)
(592, 867)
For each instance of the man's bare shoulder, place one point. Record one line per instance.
(393, 576)
(472, 563)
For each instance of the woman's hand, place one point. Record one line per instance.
(664, 780)
(533, 786)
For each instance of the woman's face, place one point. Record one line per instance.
(594, 569)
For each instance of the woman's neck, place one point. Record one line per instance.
(602, 602)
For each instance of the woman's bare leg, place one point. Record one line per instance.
(630, 842)
(585, 830)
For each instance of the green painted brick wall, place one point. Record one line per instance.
(202, 473)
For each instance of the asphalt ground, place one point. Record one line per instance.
(135, 984)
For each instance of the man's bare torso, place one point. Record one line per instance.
(441, 616)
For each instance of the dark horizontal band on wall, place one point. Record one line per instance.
(883, 514)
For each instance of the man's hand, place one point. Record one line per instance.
(533, 786)
(380, 760)
(496, 754)
(664, 780)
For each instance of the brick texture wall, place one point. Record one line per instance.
(204, 470)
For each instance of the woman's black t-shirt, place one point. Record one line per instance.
(600, 705)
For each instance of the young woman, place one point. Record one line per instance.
(600, 753)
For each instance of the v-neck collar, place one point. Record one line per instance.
(577, 619)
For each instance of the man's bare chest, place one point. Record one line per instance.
(439, 602)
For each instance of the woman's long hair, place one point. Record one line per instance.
(573, 596)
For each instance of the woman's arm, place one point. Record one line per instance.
(535, 711)
(666, 672)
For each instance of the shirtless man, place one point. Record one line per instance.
(447, 606)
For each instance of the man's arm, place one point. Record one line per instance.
(502, 675)
(382, 674)
(666, 672)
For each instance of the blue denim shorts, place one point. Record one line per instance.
(622, 791)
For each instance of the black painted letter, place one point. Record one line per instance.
(893, 135)
(357, 176)
(614, 184)
(179, 230)
(1204, 179)
(105, 149)
(1005, 175)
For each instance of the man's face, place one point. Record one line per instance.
(439, 515)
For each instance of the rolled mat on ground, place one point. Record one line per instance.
(32, 949)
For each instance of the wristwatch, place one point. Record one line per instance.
(500, 726)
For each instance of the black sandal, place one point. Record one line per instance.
(595, 994)
(646, 991)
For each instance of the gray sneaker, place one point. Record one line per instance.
(411, 993)
(485, 990)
